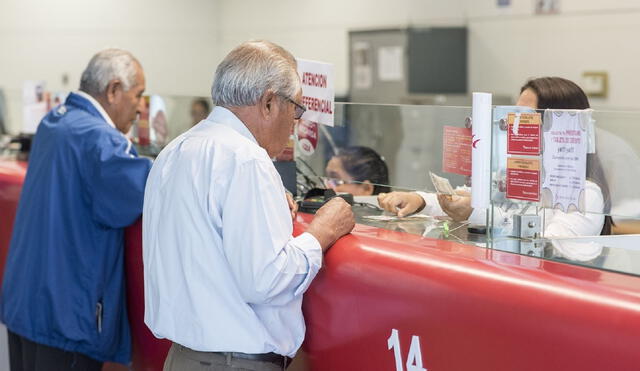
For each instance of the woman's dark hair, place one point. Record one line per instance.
(559, 93)
(363, 163)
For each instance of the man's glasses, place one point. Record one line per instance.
(300, 109)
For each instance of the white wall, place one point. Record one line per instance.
(319, 29)
(40, 40)
(507, 46)
(180, 43)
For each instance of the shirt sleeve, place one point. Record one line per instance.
(268, 264)
(115, 181)
(431, 204)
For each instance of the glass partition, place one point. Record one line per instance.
(415, 141)
(525, 215)
(564, 184)
(408, 138)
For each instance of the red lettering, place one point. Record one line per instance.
(314, 79)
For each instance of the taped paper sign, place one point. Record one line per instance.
(565, 159)
(318, 84)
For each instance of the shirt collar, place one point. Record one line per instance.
(225, 117)
(98, 107)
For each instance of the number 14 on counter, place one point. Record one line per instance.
(414, 359)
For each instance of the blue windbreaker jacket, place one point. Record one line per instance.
(64, 277)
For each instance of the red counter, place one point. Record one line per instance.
(452, 306)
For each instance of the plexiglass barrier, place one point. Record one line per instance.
(563, 183)
(559, 190)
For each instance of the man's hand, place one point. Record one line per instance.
(458, 206)
(332, 221)
(293, 206)
(401, 203)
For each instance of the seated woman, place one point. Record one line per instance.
(541, 93)
(357, 170)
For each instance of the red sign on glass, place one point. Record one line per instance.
(456, 150)
(307, 136)
(523, 179)
(523, 134)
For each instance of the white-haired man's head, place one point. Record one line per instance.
(258, 81)
(115, 78)
(251, 69)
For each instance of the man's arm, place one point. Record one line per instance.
(268, 264)
(115, 181)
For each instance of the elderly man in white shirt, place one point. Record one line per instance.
(224, 277)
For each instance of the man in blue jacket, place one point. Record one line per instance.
(63, 294)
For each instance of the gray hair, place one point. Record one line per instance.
(106, 66)
(251, 69)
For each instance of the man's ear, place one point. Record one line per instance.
(268, 103)
(113, 89)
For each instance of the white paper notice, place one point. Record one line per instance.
(34, 105)
(390, 63)
(318, 90)
(564, 159)
(362, 70)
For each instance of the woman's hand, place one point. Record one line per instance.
(457, 206)
(401, 203)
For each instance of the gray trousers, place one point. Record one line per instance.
(184, 359)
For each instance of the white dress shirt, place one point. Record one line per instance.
(222, 271)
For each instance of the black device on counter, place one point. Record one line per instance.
(316, 197)
(477, 229)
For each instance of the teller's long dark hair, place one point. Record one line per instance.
(559, 93)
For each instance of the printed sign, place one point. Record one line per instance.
(390, 63)
(143, 124)
(523, 179)
(287, 152)
(318, 83)
(456, 150)
(565, 158)
(307, 133)
(34, 105)
(158, 129)
(362, 71)
(523, 134)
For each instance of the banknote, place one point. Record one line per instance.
(442, 185)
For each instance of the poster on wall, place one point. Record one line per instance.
(390, 63)
(158, 128)
(35, 101)
(456, 150)
(318, 91)
(547, 6)
(142, 125)
(362, 66)
(564, 159)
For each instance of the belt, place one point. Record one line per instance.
(265, 357)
